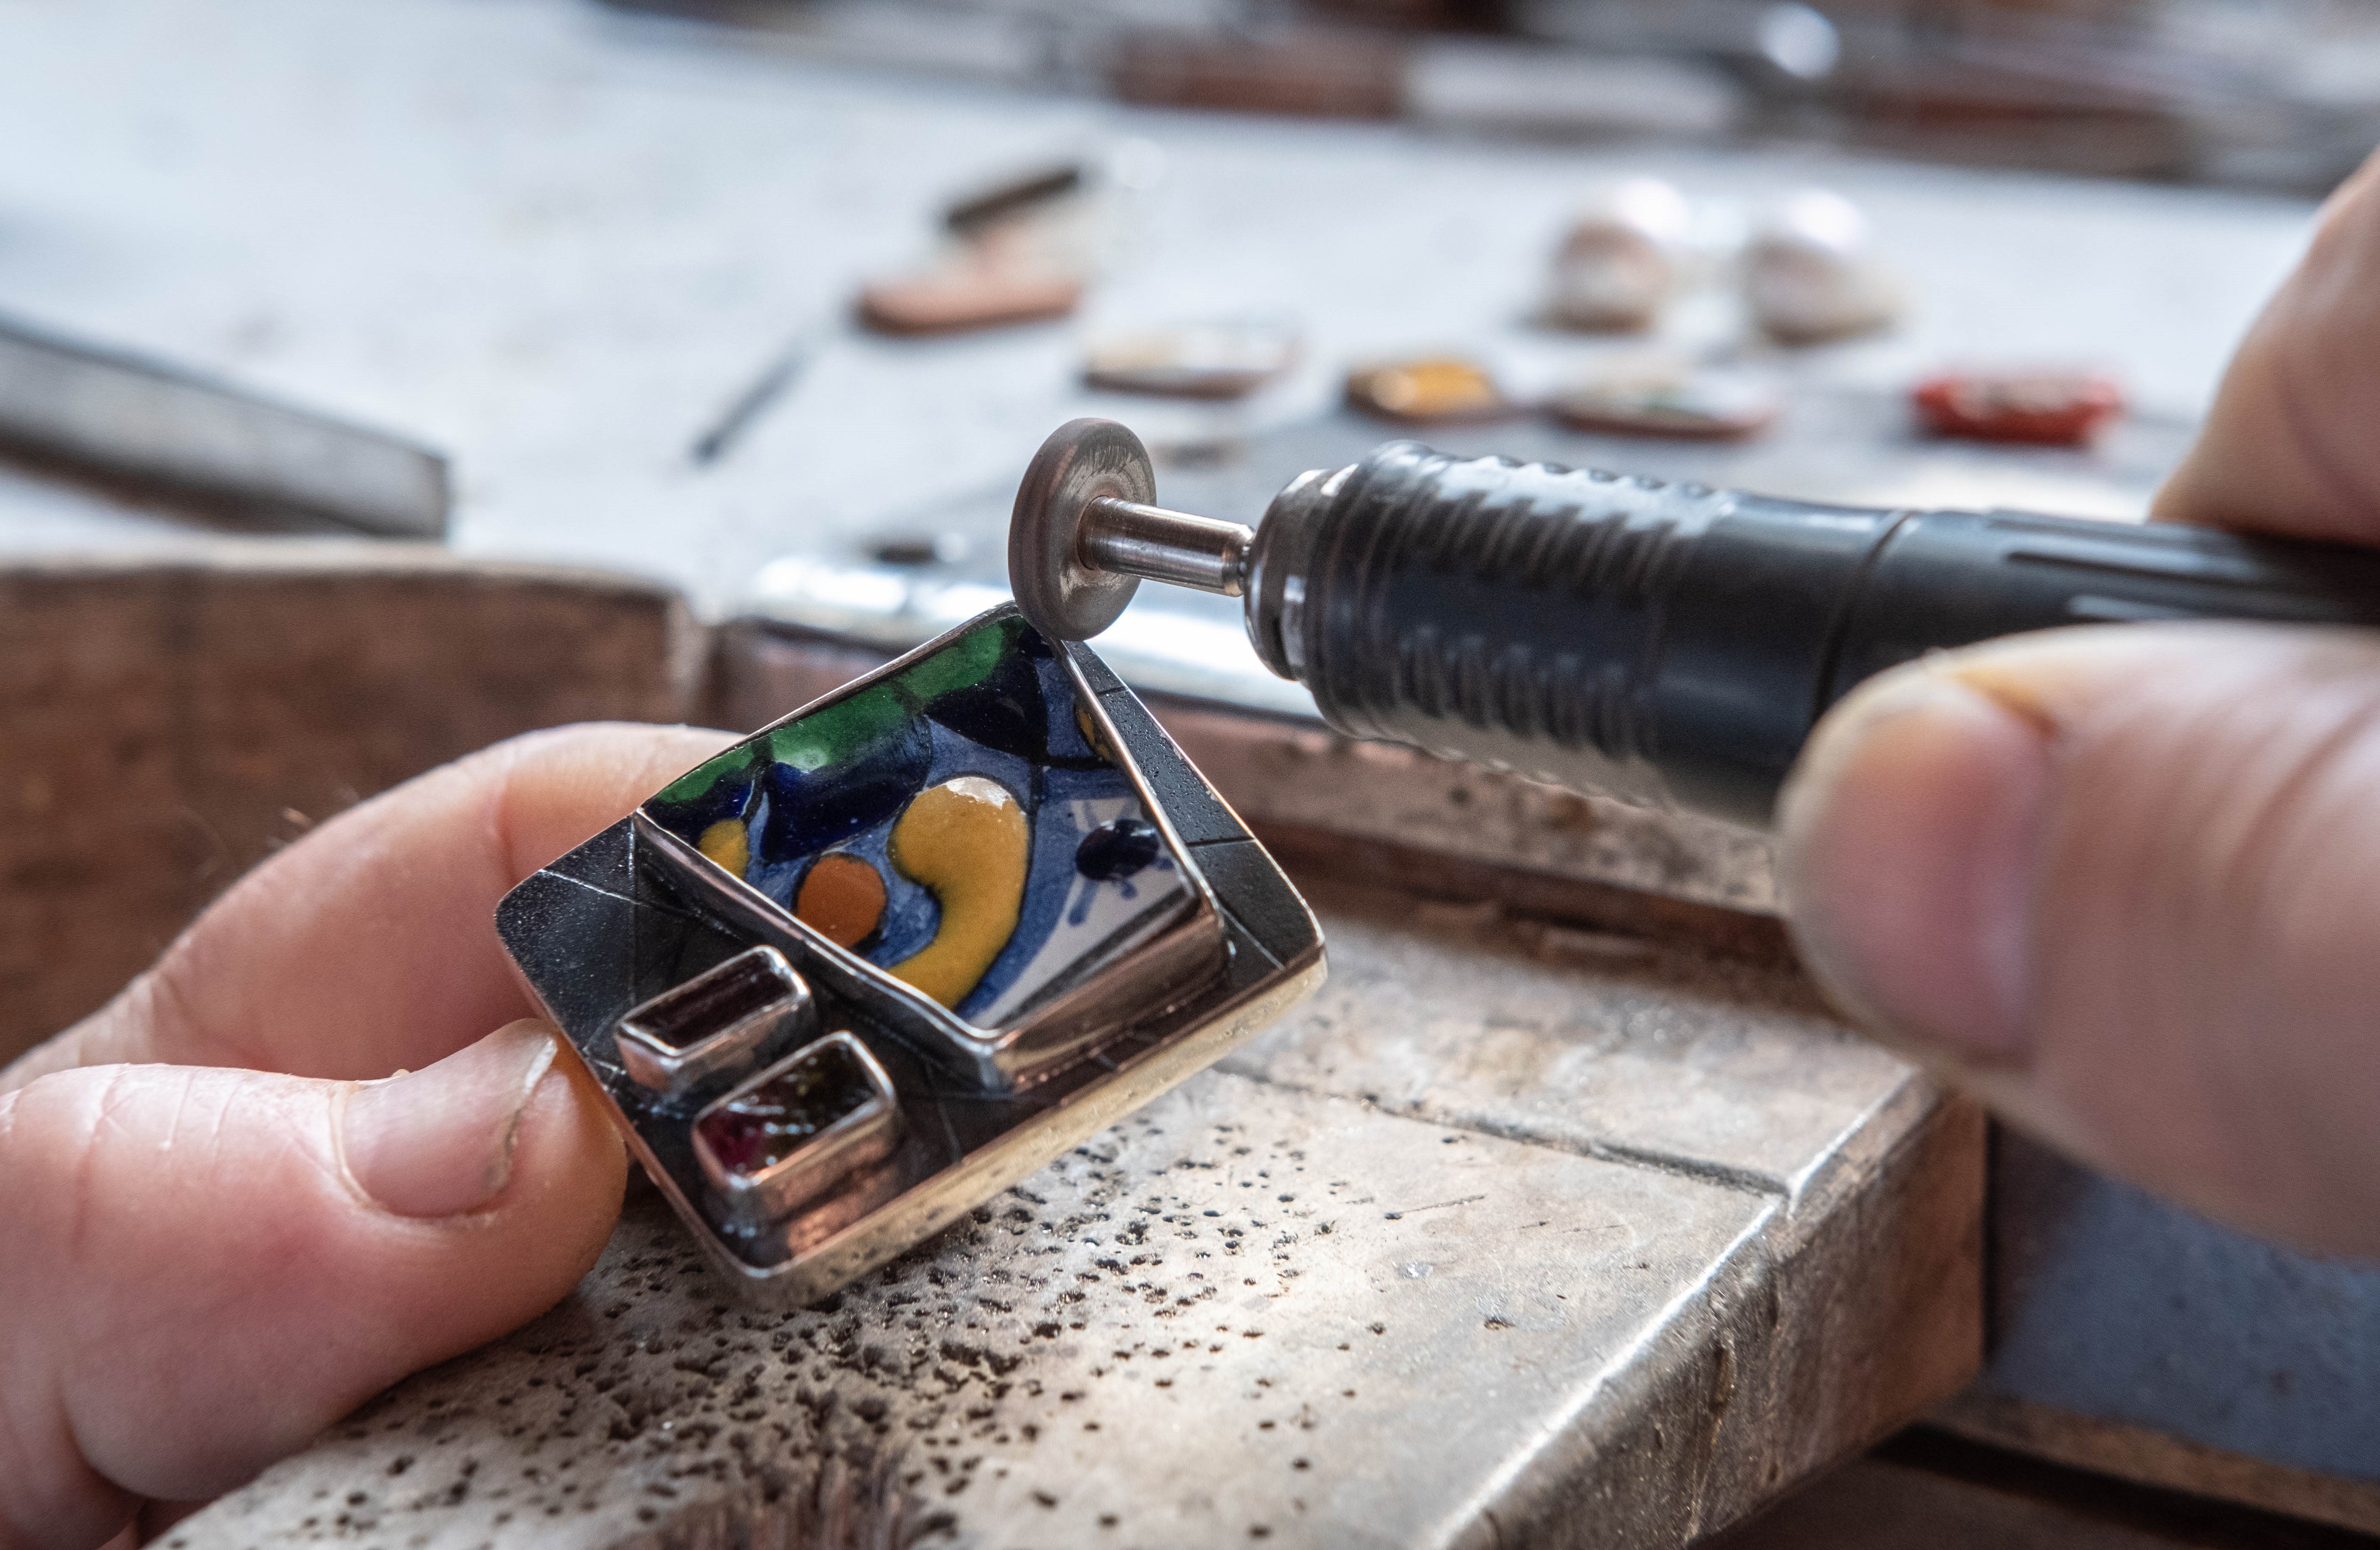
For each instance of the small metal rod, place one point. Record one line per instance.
(762, 390)
(1129, 538)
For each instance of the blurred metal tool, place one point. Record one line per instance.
(126, 417)
(775, 380)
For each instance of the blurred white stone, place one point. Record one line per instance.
(1621, 262)
(1810, 274)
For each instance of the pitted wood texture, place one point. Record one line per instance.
(170, 721)
(1315, 1298)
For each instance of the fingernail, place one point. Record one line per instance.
(1908, 837)
(439, 1141)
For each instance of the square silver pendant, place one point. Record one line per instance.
(867, 968)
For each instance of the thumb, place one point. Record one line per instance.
(2287, 445)
(205, 1267)
(2125, 883)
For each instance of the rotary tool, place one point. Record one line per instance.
(1665, 643)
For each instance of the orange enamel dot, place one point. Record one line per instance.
(842, 899)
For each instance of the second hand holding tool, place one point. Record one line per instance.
(1668, 644)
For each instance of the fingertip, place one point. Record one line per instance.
(570, 1168)
(558, 787)
(441, 1141)
(537, 1236)
(1907, 840)
(216, 1287)
(2284, 448)
(2118, 881)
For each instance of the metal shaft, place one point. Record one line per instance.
(1127, 538)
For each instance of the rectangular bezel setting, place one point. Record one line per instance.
(834, 1077)
(1038, 916)
(717, 1024)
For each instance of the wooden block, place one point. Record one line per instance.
(170, 722)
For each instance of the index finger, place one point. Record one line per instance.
(2287, 448)
(369, 946)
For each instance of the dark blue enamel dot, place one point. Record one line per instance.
(1117, 850)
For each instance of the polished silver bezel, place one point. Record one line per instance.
(633, 915)
(676, 1069)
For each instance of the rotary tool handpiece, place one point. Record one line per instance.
(1661, 643)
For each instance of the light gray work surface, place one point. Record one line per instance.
(556, 243)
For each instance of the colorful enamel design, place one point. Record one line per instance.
(868, 967)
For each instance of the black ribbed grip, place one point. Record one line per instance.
(1674, 643)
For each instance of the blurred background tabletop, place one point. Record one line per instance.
(556, 241)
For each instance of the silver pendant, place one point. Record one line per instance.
(861, 972)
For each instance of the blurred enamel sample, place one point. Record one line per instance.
(2045, 408)
(1675, 402)
(1435, 390)
(975, 290)
(1810, 274)
(1193, 360)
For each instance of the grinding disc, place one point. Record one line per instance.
(1083, 460)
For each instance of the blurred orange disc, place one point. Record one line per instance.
(1433, 391)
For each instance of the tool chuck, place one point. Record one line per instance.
(1668, 644)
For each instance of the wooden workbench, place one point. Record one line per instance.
(1564, 1215)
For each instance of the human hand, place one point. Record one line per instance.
(2124, 882)
(218, 1232)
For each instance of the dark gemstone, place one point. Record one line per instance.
(921, 549)
(759, 1129)
(1117, 850)
(745, 987)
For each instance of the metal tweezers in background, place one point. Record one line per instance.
(126, 417)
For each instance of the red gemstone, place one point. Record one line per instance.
(757, 1130)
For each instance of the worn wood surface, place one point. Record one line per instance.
(1480, 1249)
(2160, 1458)
(1928, 1487)
(169, 721)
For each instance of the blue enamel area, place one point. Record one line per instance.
(996, 703)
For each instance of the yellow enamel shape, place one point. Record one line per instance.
(726, 844)
(966, 841)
